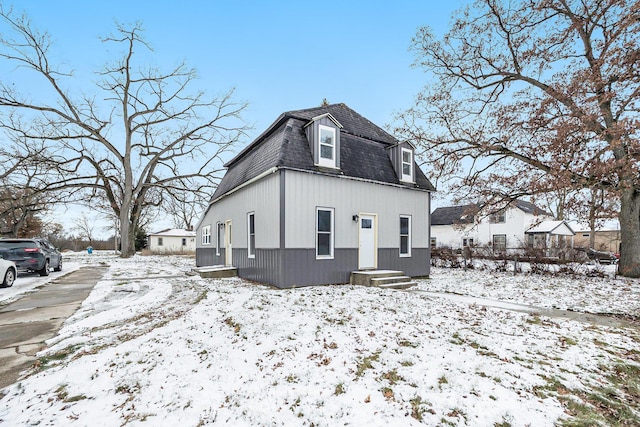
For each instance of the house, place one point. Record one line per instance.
(553, 237)
(608, 240)
(320, 193)
(172, 240)
(457, 227)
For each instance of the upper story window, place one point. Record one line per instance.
(206, 235)
(327, 147)
(407, 165)
(498, 217)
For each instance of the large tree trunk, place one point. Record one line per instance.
(630, 230)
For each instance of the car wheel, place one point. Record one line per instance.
(59, 267)
(9, 278)
(45, 269)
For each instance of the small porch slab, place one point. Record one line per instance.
(392, 279)
(216, 272)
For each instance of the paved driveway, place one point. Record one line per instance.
(27, 323)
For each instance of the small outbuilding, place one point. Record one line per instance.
(551, 236)
(173, 240)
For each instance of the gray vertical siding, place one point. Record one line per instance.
(307, 191)
(285, 207)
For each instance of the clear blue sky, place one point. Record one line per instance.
(279, 55)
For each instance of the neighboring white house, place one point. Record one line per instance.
(459, 226)
(173, 240)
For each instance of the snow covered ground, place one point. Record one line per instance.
(152, 346)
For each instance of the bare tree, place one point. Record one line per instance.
(142, 131)
(85, 228)
(532, 96)
(186, 204)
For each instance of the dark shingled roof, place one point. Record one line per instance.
(454, 215)
(464, 214)
(363, 152)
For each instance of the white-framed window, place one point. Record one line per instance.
(160, 242)
(251, 235)
(326, 146)
(498, 217)
(324, 233)
(184, 241)
(500, 243)
(407, 165)
(405, 236)
(206, 235)
(467, 241)
(219, 237)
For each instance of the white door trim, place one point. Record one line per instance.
(367, 247)
(228, 247)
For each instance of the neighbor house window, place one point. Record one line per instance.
(160, 241)
(432, 243)
(498, 217)
(405, 236)
(219, 237)
(500, 243)
(467, 241)
(324, 233)
(184, 242)
(206, 235)
(251, 235)
(327, 147)
(407, 165)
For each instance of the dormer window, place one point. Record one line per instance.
(327, 148)
(407, 165)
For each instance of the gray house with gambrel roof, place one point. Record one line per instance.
(321, 193)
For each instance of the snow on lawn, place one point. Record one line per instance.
(150, 349)
(567, 292)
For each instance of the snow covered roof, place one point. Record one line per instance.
(552, 227)
(176, 232)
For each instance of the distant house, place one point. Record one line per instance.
(605, 240)
(459, 226)
(551, 236)
(173, 240)
(320, 193)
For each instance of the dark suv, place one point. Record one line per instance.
(32, 255)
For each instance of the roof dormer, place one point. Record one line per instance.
(402, 157)
(323, 134)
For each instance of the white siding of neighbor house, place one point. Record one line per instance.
(305, 192)
(172, 244)
(262, 198)
(514, 227)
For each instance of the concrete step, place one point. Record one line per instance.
(363, 278)
(399, 285)
(216, 272)
(378, 281)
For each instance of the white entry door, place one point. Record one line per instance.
(228, 255)
(367, 252)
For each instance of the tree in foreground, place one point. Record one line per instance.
(141, 134)
(534, 97)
